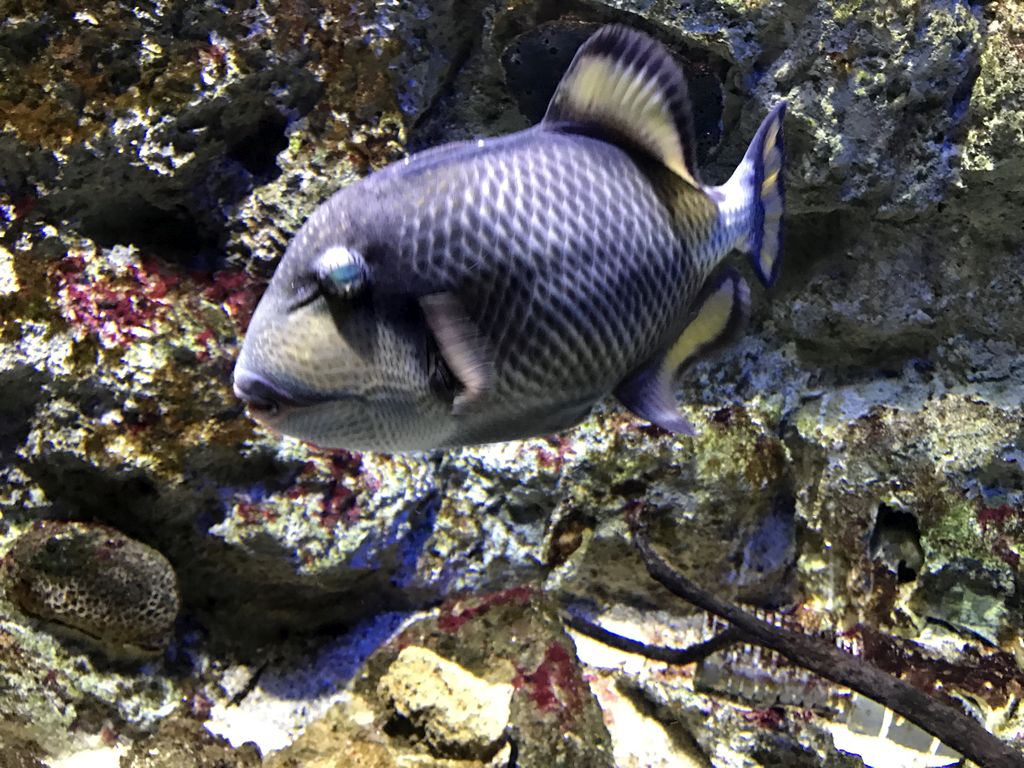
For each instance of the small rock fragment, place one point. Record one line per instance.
(460, 714)
(336, 741)
(181, 742)
(95, 580)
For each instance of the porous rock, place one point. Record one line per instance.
(460, 714)
(493, 648)
(870, 416)
(94, 579)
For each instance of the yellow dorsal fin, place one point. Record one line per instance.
(626, 85)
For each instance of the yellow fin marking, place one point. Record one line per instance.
(628, 83)
(602, 89)
(711, 322)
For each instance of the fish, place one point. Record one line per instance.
(497, 289)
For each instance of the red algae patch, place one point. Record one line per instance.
(457, 613)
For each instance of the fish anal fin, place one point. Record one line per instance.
(628, 86)
(646, 395)
(462, 346)
(721, 310)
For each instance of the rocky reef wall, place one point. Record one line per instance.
(858, 460)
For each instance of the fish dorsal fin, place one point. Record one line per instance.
(720, 311)
(626, 85)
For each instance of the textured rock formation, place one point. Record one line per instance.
(858, 458)
(459, 713)
(509, 644)
(116, 591)
(185, 742)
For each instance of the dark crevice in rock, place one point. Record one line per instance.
(896, 543)
(173, 234)
(258, 150)
(22, 168)
(843, 362)
(767, 573)
(403, 729)
(633, 487)
(88, 492)
(233, 142)
(811, 241)
(22, 389)
(535, 59)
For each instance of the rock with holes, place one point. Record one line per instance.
(858, 457)
(97, 582)
(440, 692)
(460, 714)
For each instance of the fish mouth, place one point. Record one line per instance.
(264, 399)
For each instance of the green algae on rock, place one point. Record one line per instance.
(118, 592)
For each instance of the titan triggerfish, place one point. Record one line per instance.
(497, 289)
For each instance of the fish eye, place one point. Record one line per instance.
(340, 271)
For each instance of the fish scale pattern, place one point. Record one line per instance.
(573, 266)
(576, 262)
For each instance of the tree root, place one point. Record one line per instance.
(941, 720)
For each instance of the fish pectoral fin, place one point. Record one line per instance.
(462, 346)
(720, 311)
(627, 87)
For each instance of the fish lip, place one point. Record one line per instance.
(264, 398)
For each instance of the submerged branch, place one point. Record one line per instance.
(946, 723)
(677, 656)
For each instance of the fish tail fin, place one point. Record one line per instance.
(756, 189)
